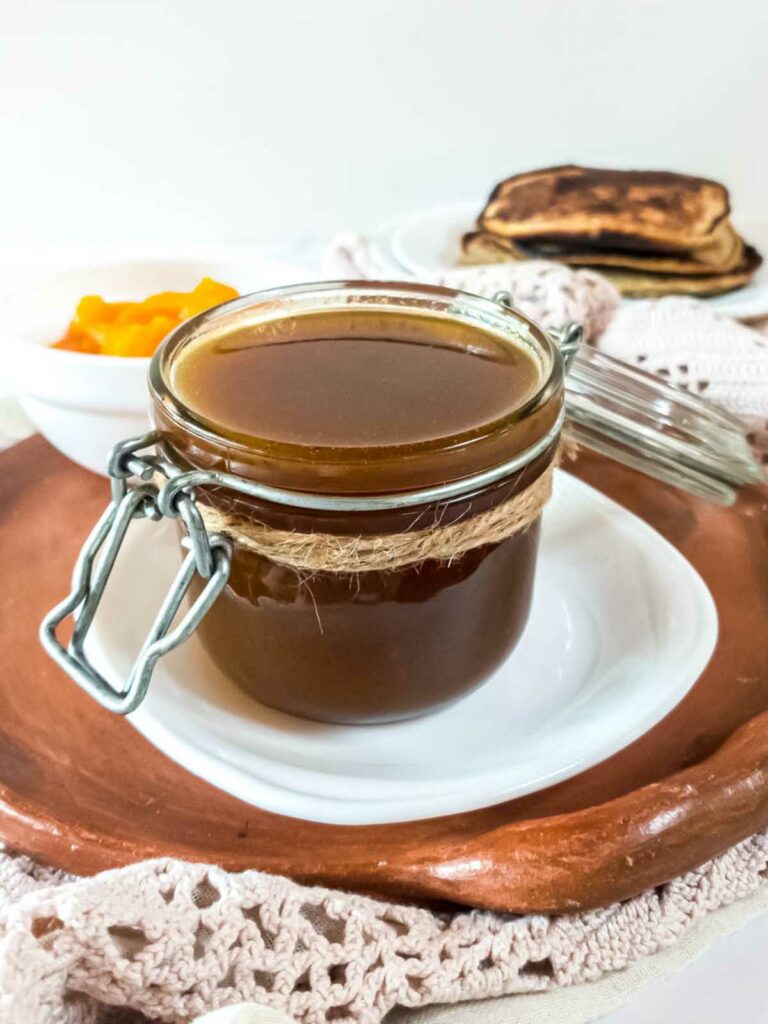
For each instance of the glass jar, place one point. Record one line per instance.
(375, 645)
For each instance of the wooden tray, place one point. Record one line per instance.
(81, 789)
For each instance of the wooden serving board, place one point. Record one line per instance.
(81, 789)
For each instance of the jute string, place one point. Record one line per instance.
(325, 552)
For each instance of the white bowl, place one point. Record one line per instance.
(84, 404)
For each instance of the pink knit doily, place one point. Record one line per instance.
(174, 940)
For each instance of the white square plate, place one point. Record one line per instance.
(620, 629)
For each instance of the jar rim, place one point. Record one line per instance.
(499, 321)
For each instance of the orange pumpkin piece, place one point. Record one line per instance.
(207, 294)
(137, 339)
(135, 329)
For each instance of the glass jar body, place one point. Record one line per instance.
(375, 645)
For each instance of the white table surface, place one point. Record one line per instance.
(727, 983)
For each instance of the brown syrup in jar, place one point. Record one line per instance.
(342, 392)
(344, 380)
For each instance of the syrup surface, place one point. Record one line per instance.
(354, 380)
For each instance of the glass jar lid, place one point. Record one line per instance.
(643, 422)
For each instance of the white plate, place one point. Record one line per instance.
(428, 242)
(620, 629)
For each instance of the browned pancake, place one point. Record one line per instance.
(479, 248)
(635, 210)
(636, 284)
(482, 247)
(724, 253)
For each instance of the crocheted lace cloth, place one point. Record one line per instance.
(173, 940)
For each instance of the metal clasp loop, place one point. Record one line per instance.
(209, 556)
(568, 338)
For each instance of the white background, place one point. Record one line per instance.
(221, 120)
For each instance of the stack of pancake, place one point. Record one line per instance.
(652, 232)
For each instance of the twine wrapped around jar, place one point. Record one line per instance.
(324, 552)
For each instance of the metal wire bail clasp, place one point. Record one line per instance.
(568, 338)
(133, 467)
